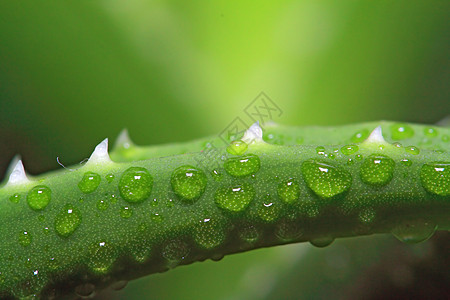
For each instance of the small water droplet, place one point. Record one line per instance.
(102, 257)
(25, 238)
(320, 150)
(412, 150)
(377, 170)
(360, 136)
(249, 233)
(156, 217)
(349, 149)
(209, 233)
(39, 197)
(406, 162)
(400, 131)
(15, 198)
(110, 177)
(435, 177)
(46, 230)
(126, 212)
(289, 231)
(242, 166)
(102, 204)
(89, 183)
(322, 241)
(188, 182)
(175, 252)
(268, 210)
(325, 180)
(414, 231)
(85, 290)
(234, 198)
(216, 175)
(430, 131)
(119, 285)
(67, 221)
(289, 191)
(237, 147)
(135, 184)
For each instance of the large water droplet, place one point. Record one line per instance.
(322, 241)
(400, 131)
(85, 290)
(326, 180)
(209, 233)
(89, 182)
(234, 198)
(289, 191)
(414, 231)
(377, 170)
(25, 238)
(39, 197)
(188, 182)
(135, 184)
(237, 147)
(67, 221)
(435, 177)
(243, 165)
(349, 149)
(102, 257)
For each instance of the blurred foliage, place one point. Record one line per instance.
(74, 72)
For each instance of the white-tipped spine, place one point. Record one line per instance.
(100, 154)
(376, 136)
(254, 134)
(123, 140)
(18, 175)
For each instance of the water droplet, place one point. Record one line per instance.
(135, 184)
(102, 204)
(243, 165)
(377, 170)
(406, 162)
(289, 231)
(67, 221)
(249, 233)
(400, 131)
(435, 177)
(322, 241)
(175, 251)
(320, 150)
(156, 217)
(89, 182)
(209, 233)
(39, 197)
(360, 136)
(367, 215)
(237, 147)
(216, 175)
(268, 210)
(102, 257)
(234, 198)
(326, 180)
(350, 162)
(46, 230)
(289, 191)
(85, 290)
(430, 131)
(110, 177)
(15, 198)
(414, 231)
(25, 238)
(119, 285)
(412, 150)
(126, 212)
(188, 182)
(349, 149)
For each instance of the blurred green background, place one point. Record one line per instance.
(75, 72)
